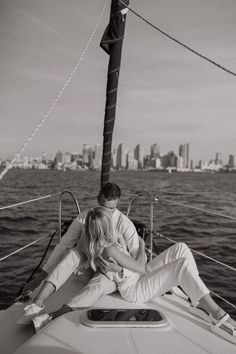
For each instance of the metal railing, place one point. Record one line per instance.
(151, 199)
(61, 194)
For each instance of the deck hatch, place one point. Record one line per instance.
(104, 317)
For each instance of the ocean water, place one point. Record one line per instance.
(205, 232)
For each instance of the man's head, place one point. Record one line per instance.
(109, 195)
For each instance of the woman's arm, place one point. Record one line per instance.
(126, 261)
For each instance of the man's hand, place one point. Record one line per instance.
(34, 283)
(108, 266)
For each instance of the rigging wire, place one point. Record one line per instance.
(197, 208)
(58, 96)
(22, 248)
(212, 259)
(179, 42)
(29, 201)
(223, 299)
(201, 254)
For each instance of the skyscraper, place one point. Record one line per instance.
(132, 163)
(219, 158)
(231, 161)
(97, 161)
(114, 158)
(139, 155)
(121, 156)
(87, 156)
(155, 151)
(184, 152)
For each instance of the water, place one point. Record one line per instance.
(209, 234)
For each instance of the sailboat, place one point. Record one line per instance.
(171, 329)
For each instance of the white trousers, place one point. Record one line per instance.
(175, 266)
(97, 286)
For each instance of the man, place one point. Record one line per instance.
(67, 256)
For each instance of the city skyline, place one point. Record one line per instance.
(165, 94)
(154, 151)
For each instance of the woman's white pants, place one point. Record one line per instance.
(175, 266)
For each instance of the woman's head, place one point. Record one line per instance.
(99, 233)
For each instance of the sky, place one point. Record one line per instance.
(166, 94)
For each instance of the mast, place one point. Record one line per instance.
(112, 42)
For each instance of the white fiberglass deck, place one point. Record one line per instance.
(184, 334)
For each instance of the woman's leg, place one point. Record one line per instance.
(180, 272)
(171, 254)
(210, 306)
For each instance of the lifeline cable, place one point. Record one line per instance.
(180, 43)
(22, 248)
(58, 96)
(199, 253)
(29, 201)
(197, 208)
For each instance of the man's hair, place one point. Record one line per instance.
(110, 191)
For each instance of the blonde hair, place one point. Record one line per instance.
(99, 234)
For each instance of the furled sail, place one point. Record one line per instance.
(112, 42)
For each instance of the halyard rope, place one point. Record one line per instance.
(58, 96)
(179, 42)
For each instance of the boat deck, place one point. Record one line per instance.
(184, 333)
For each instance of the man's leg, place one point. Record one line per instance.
(96, 287)
(58, 277)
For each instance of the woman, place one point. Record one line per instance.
(140, 282)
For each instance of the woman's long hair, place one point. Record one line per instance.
(99, 234)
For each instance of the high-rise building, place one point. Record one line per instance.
(184, 151)
(67, 157)
(139, 155)
(179, 162)
(59, 157)
(219, 158)
(97, 161)
(86, 153)
(121, 156)
(172, 159)
(114, 158)
(132, 163)
(155, 151)
(231, 161)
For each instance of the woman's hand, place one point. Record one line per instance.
(108, 266)
(141, 243)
